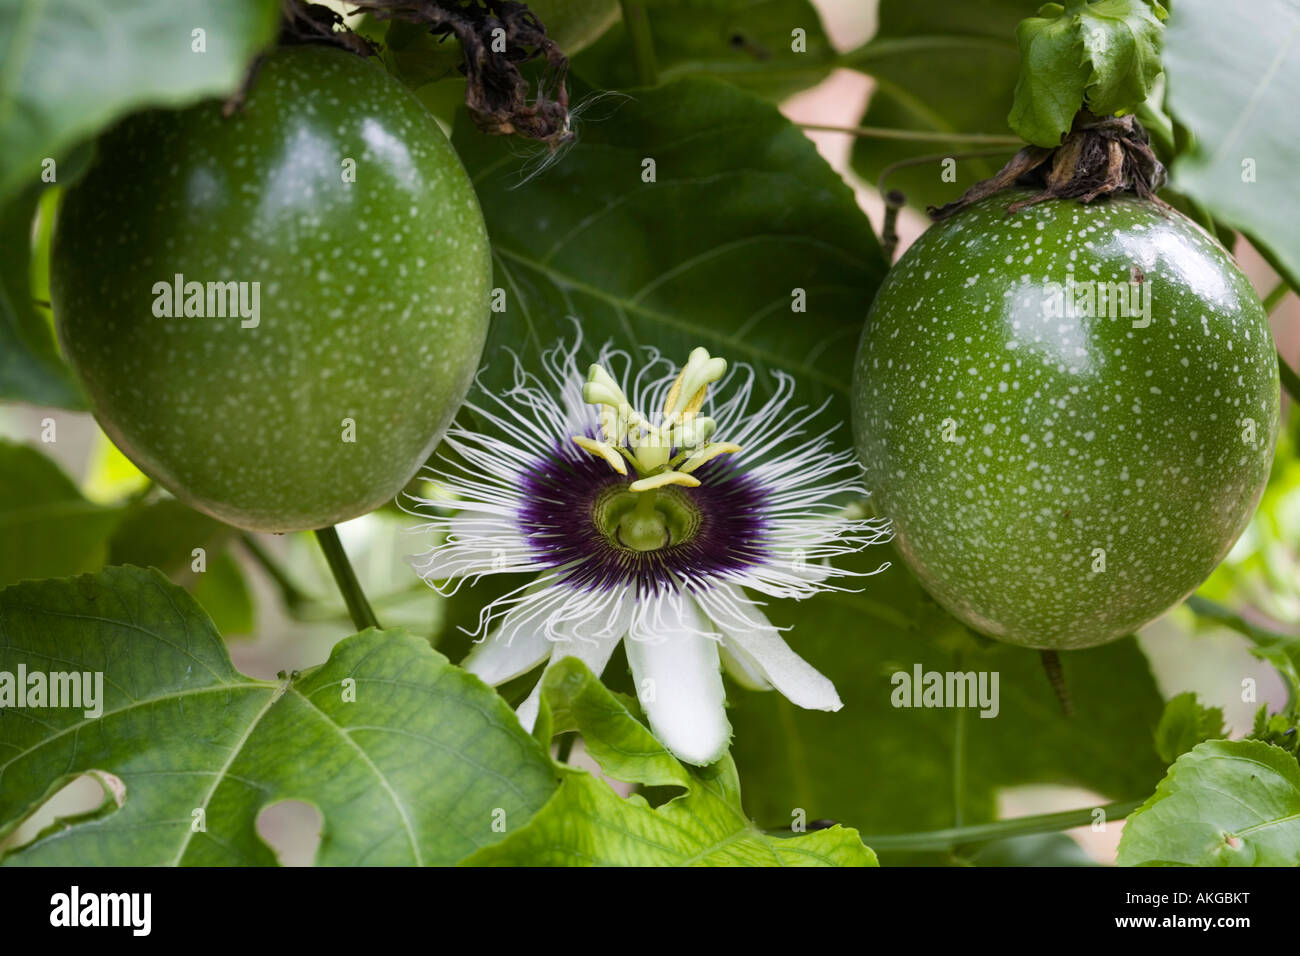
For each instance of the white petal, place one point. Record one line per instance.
(594, 653)
(744, 670)
(519, 643)
(496, 661)
(527, 711)
(748, 628)
(684, 699)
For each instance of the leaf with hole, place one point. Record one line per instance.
(409, 759)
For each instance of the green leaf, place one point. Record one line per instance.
(1104, 55)
(415, 56)
(71, 67)
(1280, 729)
(1186, 723)
(942, 67)
(1121, 39)
(586, 823)
(164, 534)
(223, 593)
(1053, 77)
(742, 213)
(1224, 803)
(47, 528)
(750, 43)
(31, 369)
(908, 763)
(575, 24)
(416, 770)
(1234, 80)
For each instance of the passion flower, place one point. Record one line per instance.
(655, 528)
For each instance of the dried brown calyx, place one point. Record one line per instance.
(303, 23)
(1099, 157)
(497, 37)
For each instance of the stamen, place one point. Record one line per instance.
(708, 453)
(662, 479)
(649, 448)
(601, 389)
(602, 449)
(699, 372)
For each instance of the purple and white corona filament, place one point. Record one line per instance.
(660, 532)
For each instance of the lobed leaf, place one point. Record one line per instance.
(587, 824)
(409, 759)
(1186, 723)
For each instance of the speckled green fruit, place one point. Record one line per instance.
(372, 292)
(1059, 477)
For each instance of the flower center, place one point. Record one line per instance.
(651, 513)
(647, 520)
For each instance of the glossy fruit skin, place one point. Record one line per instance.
(373, 294)
(1065, 434)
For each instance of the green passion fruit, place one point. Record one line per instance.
(1069, 412)
(277, 314)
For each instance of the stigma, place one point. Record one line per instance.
(655, 455)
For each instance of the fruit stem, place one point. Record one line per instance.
(1052, 665)
(917, 136)
(643, 46)
(1000, 830)
(894, 201)
(362, 616)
